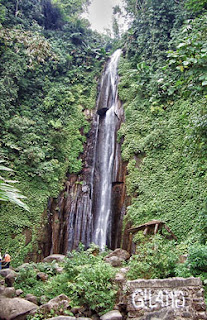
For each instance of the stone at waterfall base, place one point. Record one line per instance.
(54, 257)
(116, 257)
(112, 315)
(15, 307)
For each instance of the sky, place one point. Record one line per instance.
(100, 14)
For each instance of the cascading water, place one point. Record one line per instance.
(92, 205)
(105, 152)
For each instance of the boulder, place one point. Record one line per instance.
(9, 292)
(114, 261)
(10, 278)
(119, 277)
(62, 318)
(30, 297)
(19, 292)
(2, 282)
(59, 303)
(5, 272)
(116, 257)
(112, 315)
(42, 276)
(16, 307)
(124, 270)
(23, 266)
(2, 288)
(56, 257)
(120, 253)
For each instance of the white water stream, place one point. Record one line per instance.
(107, 128)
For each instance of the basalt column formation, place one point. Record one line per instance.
(92, 204)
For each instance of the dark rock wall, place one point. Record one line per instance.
(70, 216)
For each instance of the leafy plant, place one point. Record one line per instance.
(93, 286)
(155, 258)
(27, 281)
(196, 263)
(8, 192)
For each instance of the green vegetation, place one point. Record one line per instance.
(86, 279)
(163, 87)
(50, 63)
(8, 192)
(155, 258)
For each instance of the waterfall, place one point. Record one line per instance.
(91, 206)
(105, 152)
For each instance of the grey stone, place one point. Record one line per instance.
(5, 272)
(62, 318)
(124, 270)
(61, 301)
(2, 282)
(9, 292)
(56, 257)
(23, 266)
(114, 261)
(119, 277)
(30, 297)
(112, 315)
(168, 283)
(15, 308)
(19, 292)
(116, 257)
(42, 276)
(10, 279)
(161, 315)
(2, 288)
(120, 253)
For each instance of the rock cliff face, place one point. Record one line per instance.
(73, 215)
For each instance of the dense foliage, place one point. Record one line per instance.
(156, 258)
(49, 65)
(50, 62)
(86, 279)
(163, 87)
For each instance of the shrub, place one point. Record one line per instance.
(196, 263)
(90, 279)
(27, 281)
(93, 287)
(155, 258)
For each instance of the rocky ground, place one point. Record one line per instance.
(15, 305)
